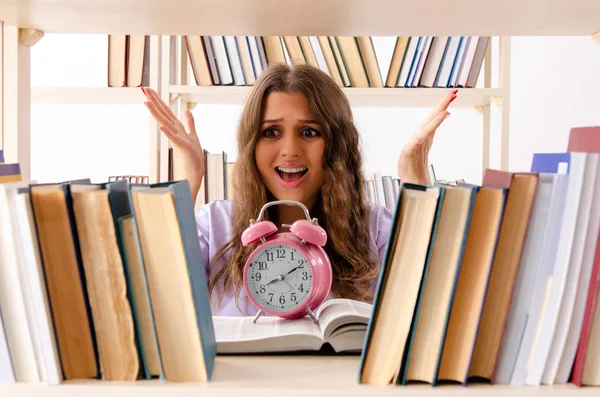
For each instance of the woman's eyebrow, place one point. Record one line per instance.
(268, 121)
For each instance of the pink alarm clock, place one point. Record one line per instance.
(288, 274)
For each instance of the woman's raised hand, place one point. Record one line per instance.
(414, 158)
(187, 152)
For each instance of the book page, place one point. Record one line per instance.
(341, 315)
(269, 334)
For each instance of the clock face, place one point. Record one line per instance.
(279, 277)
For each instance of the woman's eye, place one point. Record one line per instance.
(309, 132)
(270, 132)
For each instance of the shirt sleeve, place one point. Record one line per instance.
(384, 228)
(203, 228)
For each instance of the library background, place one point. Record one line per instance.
(493, 291)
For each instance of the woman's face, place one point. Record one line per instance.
(289, 152)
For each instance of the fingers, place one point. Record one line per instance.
(159, 104)
(174, 136)
(160, 118)
(189, 123)
(440, 107)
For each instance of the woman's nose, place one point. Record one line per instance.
(291, 145)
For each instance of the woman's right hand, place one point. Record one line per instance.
(188, 155)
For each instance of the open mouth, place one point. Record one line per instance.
(291, 174)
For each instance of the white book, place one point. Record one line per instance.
(316, 46)
(409, 55)
(542, 278)
(463, 75)
(526, 278)
(255, 55)
(342, 323)
(220, 53)
(379, 192)
(6, 372)
(571, 320)
(32, 264)
(447, 62)
(576, 193)
(233, 55)
(422, 61)
(12, 303)
(388, 193)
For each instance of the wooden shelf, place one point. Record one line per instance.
(289, 376)
(307, 17)
(361, 97)
(86, 95)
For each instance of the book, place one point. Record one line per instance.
(342, 324)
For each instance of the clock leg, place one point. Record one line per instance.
(311, 315)
(260, 313)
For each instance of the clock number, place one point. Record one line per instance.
(282, 299)
(257, 276)
(301, 288)
(293, 297)
(269, 257)
(270, 297)
(304, 275)
(301, 263)
(280, 254)
(262, 289)
(262, 265)
(292, 253)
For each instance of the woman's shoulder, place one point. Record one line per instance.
(215, 217)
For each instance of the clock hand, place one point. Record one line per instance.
(278, 278)
(294, 269)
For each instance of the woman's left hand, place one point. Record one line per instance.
(413, 162)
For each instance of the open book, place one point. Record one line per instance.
(342, 324)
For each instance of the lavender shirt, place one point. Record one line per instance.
(213, 222)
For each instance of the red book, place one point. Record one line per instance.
(586, 139)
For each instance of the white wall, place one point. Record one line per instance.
(555, 85)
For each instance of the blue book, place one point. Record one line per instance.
(177, 280)
(551, 163)
(1, 156)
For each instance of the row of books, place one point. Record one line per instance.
(419, 61)
(217, 183)
(84, 290)
(128, 60)
(497, 282)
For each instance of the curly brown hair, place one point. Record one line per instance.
(342, 209)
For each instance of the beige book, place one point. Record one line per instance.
(65, 290)
(245, 59)
(136, 45)
(352, 59)
(339, 60)
(117, 60)
(274, 50)
(367, 52)
(397, 59)
(471, 285)
(293, 47)
(515, 221)
(106, 285)
(307, 50)
(439, 285)
(407, 251)
(170, 289)
(198, 60)
(334, 72)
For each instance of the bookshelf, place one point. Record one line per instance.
(308, 17)
(264, 375)
(292, 376)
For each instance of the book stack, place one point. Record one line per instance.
(420, 61)
(497, 282)
(102, 281)
(9, 172)
(128, 60)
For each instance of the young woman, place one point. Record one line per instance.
(296, 141)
